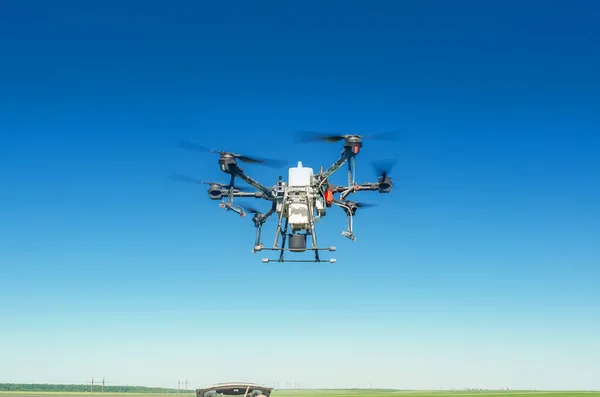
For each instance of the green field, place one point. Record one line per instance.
(326, 393)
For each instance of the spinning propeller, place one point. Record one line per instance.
(383, 167)
(188, 145)
(352, 206)
(250, 210)
(315, 136)
(360, 204)
(188, 179)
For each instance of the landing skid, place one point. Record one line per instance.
(283, 234)
(282, 259)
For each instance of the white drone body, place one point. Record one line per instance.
(302, 202)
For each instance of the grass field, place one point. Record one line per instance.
(331, 393)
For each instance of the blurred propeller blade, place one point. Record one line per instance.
(184, 178)
(382, 136)
(226, 186)
(274, 163)
(189, 145)
(188, 179)
(249, 209)
(365, 205)
(354, 205)
(383, 167)
(315, 136)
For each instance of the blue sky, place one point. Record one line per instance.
(479, 270)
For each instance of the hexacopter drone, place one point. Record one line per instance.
(300, 201)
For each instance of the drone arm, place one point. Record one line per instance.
(259, 220)
(236, 193)
(265, 191)
(335, 166)
(368, 186)
(384, 185)
(225, 192)
(270, 212)
(349, 233)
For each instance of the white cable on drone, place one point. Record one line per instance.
(349, 213)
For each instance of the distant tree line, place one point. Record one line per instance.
(39, 387)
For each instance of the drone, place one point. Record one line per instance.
(301, 201)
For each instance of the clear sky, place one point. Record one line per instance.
(481, 269)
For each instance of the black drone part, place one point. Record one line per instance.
(352, 142)
(383, 169)
(258, 215)
(215, 189)
(250, 210)
(189, 179)
(316, 136)
(229, 159)
(352, 206)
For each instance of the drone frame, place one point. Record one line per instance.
(228, 163)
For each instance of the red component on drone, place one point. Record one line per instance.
(328, 197)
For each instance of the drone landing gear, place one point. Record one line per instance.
(230, 207)
(349, 233)
(297, 243)
(316, 259)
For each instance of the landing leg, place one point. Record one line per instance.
(283, 233)
(283, 240)
(257, 244)
(275, 245)
(349, 233)
(313, 232)
(230, 207)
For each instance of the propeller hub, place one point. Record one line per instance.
(353, 143)
(228, 160)
(227, 163)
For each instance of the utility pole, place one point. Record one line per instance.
(92, 386)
